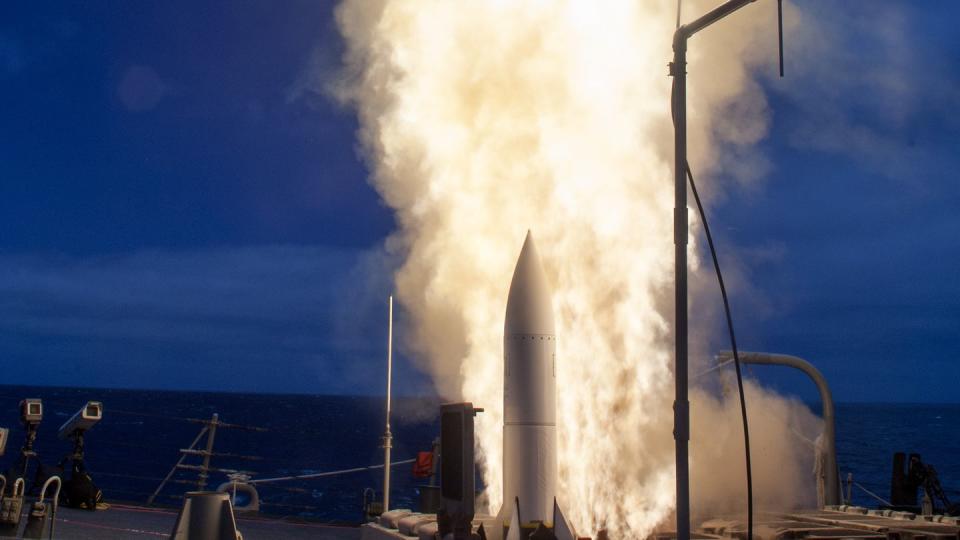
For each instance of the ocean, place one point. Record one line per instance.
(138, 441)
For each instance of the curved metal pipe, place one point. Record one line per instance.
(831, 491)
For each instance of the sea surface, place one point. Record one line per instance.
(139, 441)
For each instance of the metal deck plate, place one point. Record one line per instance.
(138, 523)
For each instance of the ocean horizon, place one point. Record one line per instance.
(139, 440)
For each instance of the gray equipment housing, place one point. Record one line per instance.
(457, 468)
(84, 419)
(206, 515)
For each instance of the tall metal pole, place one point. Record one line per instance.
(387, 436)
(681, 403)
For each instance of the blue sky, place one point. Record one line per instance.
(175, 213)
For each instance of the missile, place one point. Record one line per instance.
(529, 398)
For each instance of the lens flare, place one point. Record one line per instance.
(482, 119)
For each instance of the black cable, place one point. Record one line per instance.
(736, 354)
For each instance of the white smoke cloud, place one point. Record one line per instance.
(483, 119)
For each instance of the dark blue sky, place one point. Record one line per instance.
(175, 213)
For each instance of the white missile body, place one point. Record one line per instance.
(529, 395)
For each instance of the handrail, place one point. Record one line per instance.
(329, 473)
(55, 501)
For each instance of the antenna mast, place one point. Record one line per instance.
(681, 404)
(387, 436)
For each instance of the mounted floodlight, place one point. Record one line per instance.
(31, 411)
(84, 419)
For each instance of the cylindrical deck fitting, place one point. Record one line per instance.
(205, 515)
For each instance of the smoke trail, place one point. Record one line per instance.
(484, 119)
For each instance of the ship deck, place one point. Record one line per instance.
(138, 523)
(836, 523)
(844, 522)
(122, 522)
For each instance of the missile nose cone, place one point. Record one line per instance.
(529, 310)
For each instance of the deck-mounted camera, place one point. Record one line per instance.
(31, 414)
(79, 488)
(76, 426)
(84, 419)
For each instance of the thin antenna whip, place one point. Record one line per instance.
(387, 436)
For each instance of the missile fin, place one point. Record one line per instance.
(561, 528)
(513, 533)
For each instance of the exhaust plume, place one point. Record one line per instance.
(482, 119)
